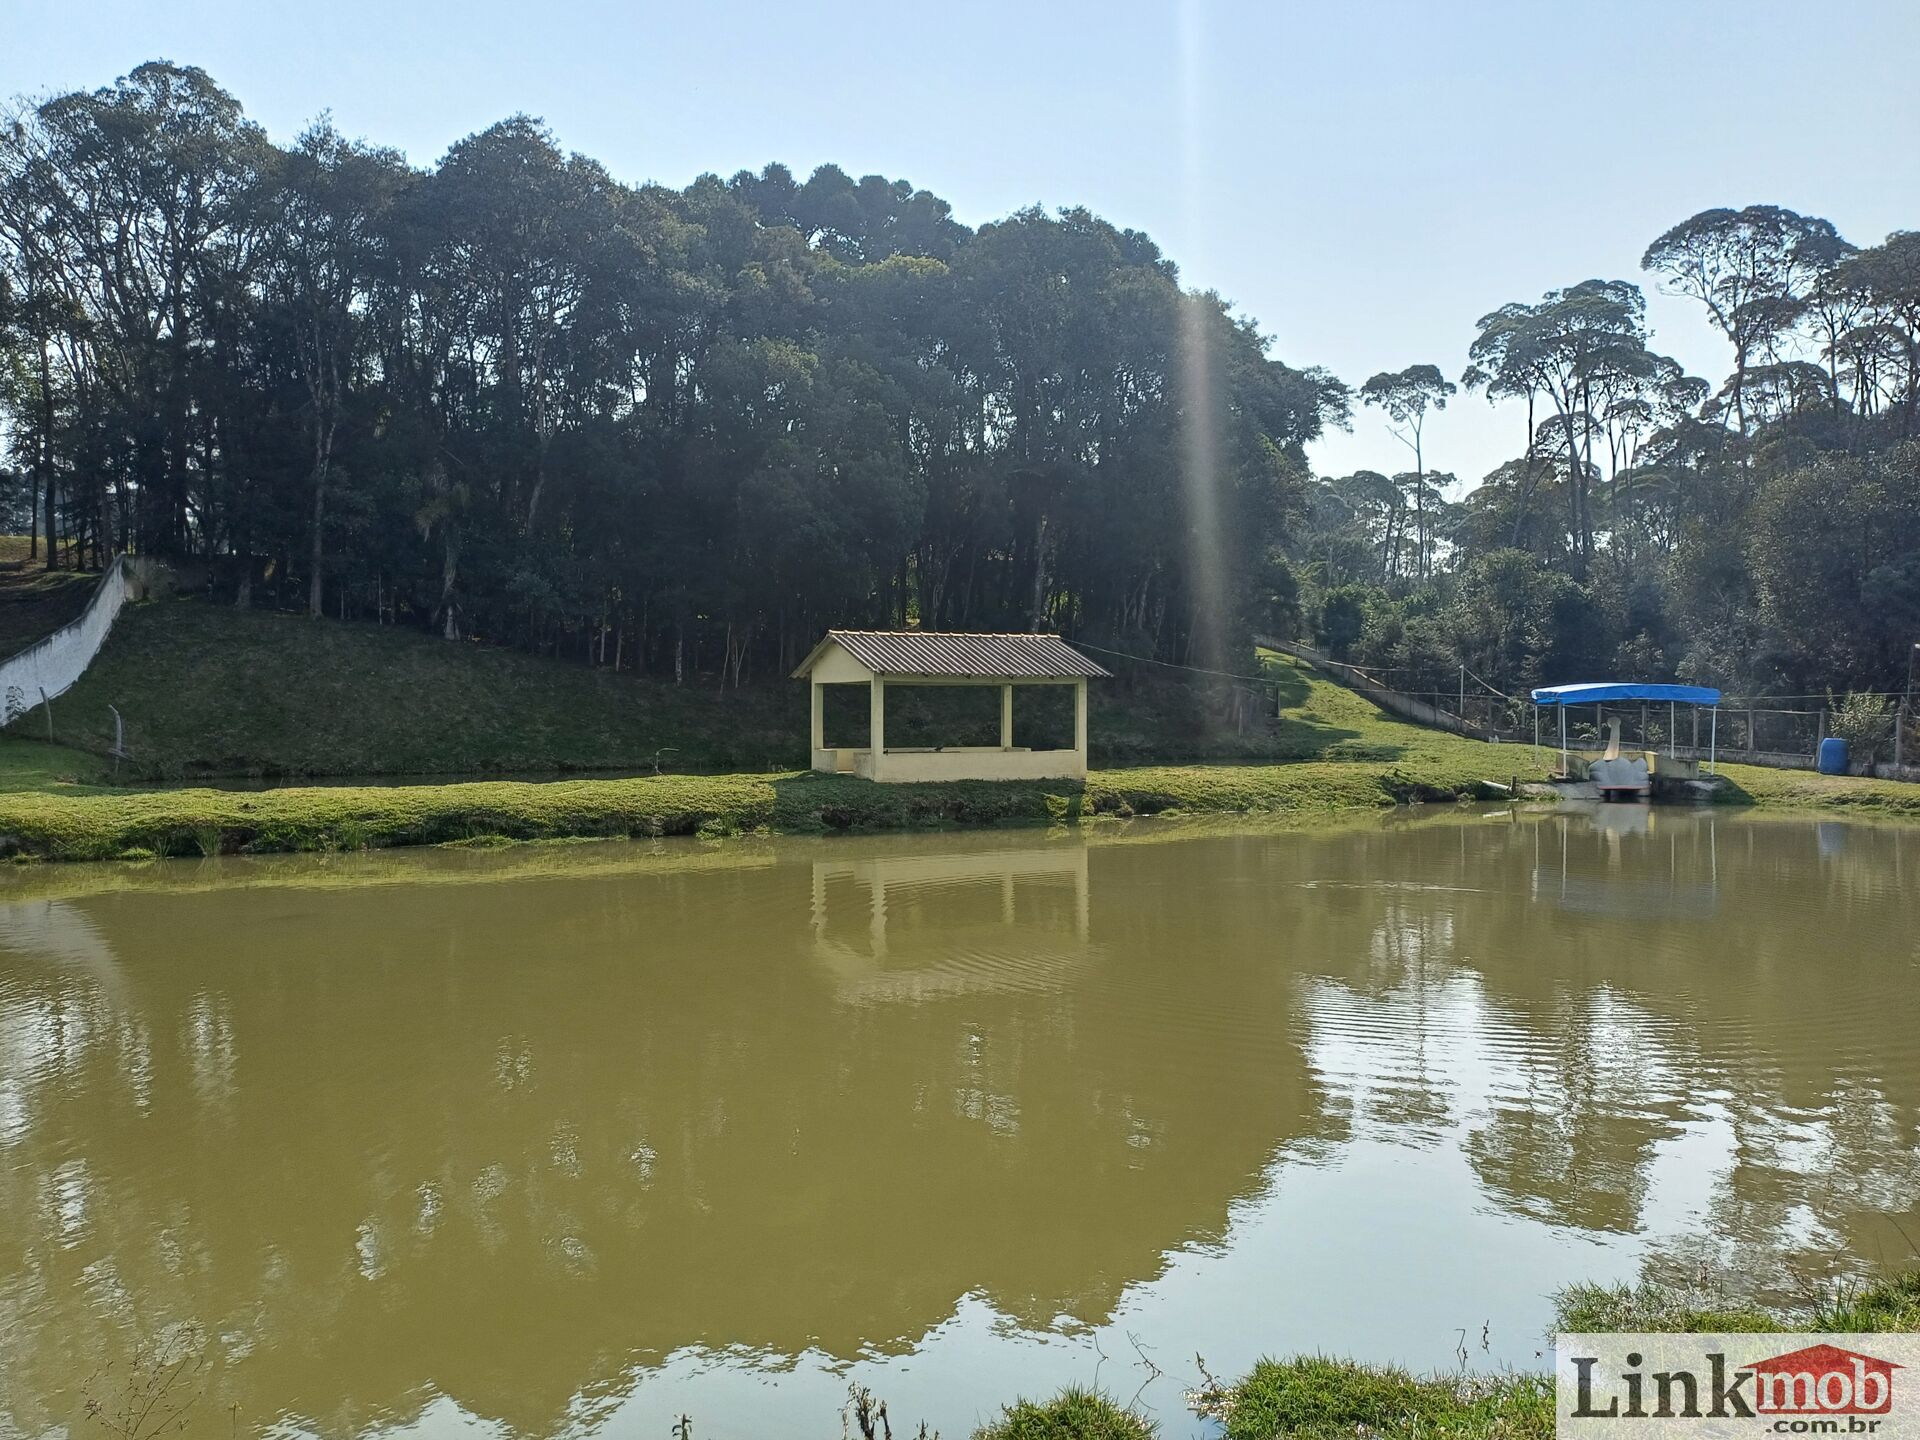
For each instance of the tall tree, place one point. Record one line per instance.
(1406, 396)
(1753, 270)
(331, 202)
(1568, 348)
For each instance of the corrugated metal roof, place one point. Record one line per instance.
(967, 654)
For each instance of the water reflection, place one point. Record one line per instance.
(913, 927)
(530, 1140)
(1614, 866)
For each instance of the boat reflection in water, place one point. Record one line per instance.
(1629, 860)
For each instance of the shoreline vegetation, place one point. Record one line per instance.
(1322, 1397)
(1317, 1397)
(57, 804)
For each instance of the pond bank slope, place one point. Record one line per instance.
(1352, 756)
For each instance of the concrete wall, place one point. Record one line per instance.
(1392, 701)
(50, 667)
(984, 764)
(1793, 760)
(958, 762)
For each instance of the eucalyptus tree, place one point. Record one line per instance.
(507, 397)
(1378, 505)
(1406, 396)
(31, 329)
(1754, 271)
(1571, 344)
(516, 227)
(1888, 345)
(151, 191)
(327, 256)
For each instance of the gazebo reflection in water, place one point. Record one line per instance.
(912, 927)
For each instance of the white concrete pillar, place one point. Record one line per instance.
(819, 716)
(877, 723)
(1006, 717)
(1080, 721)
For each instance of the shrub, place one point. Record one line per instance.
(1073, 1414)
(1342, 619)
(1865, 722)
(1320, 1397)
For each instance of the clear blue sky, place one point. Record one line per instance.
(1364, 178)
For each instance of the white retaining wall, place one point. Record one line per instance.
(1356, 679)
(51, 666)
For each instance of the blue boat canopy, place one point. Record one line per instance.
(1602, 693)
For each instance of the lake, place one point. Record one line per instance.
(590, 1136)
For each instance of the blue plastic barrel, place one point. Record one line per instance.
(1833, 756)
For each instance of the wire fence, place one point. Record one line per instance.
(1761, 729)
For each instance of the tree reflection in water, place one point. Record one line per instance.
(512, 1131)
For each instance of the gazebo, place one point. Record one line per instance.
(879, 658)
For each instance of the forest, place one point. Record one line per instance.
(511, 398)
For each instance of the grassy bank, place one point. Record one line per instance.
(207, 691)
(96, 826)
(1806, 790)
(1891, 1305)
(210, 691)
(1314, 1397)
(1345, 753)
(54, 803)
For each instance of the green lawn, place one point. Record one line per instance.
(207, 691)
(196, 683)
(1807, 790)
(72, 823)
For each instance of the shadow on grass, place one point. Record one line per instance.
(1290, 680)
(1153, 722)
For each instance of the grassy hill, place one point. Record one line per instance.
(35, 601)
(208, 691)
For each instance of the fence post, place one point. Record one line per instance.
(1753, 743)
(1899, 730)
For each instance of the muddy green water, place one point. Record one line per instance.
(547, 1140)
